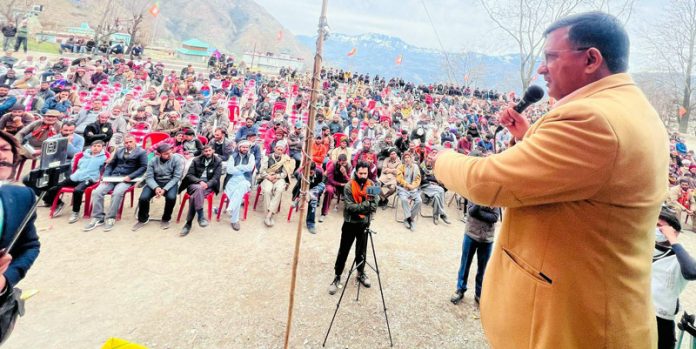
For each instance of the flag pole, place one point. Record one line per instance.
(306, 164)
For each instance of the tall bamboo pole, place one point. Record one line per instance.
(306, 161)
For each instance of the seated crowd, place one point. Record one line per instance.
(240, 136)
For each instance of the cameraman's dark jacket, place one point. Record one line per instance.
(481, 223)
(353, 210)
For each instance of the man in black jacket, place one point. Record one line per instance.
(100, 129)
(203, 178)
(356, 217)
(129, 162)
(9, 31)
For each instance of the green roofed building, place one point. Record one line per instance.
(194, 50)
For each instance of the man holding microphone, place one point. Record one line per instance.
(582, 190)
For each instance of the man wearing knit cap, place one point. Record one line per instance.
(162, 177)
(274, 175)
(672, 269)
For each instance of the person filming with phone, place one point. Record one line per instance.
(360, 203)
(16, 203)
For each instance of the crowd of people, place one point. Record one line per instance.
(239, 136)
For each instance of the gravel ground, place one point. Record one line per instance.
(217, 288)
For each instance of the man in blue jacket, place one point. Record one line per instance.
(87, 173)
(58, 102)
(128, 162)
(15, 203)
(6, 100)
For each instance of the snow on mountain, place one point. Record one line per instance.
(377, 54)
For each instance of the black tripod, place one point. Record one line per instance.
(354, 267)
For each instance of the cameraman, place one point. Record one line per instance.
(356, 218)
(672, 269)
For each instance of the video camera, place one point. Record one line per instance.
(374, 190)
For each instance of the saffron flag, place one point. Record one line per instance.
(352, 52)
(154, 10)
(682, 111)
(398, 59)
(280, 35)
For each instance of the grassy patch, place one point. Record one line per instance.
(48, 47)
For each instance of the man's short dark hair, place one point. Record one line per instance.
(5, 86)
(68, 123)
(601, 31)
(98, 141)
(362, 164)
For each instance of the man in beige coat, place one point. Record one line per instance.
(583, 188)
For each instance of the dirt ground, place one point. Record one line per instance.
(218, 288)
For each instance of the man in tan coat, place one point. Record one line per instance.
(583, 188)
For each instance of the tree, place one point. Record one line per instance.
(108, 24)
(7, 8)
(674, 47)
(525, 20)
(136, 17)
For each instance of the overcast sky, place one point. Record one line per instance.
(461, 24)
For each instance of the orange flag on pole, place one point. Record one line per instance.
(154, 9)
(352, 52)
(399, 58)
(682, 111)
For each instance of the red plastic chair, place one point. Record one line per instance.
(131, 190)
(225, 202)
(154, 138)
(139, 131)
(66, 190)
(34, 162)
(278, 106)
(203, 139)
(193, 119)
(208, 198)
(258, 194)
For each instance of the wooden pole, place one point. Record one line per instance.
(306, 161)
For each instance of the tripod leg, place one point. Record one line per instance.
(381, 292)
(345, 286)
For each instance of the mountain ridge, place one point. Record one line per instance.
(377, 54)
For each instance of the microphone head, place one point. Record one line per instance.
(533, 94)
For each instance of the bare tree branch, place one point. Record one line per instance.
(673, 46)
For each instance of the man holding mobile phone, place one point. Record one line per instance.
(15, 203)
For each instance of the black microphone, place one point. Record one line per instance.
(533, 94)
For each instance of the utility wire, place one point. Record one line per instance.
(442, 47)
